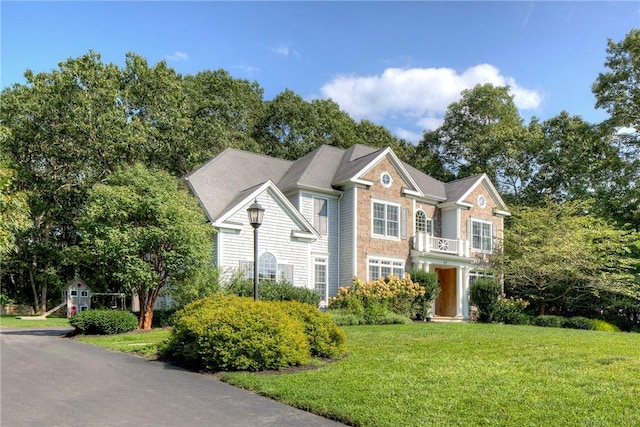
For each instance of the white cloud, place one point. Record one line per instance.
(178, 56)
(408, 135)
(420, 95)
(285, 51)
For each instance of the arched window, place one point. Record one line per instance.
(423, 224)
(267, 267)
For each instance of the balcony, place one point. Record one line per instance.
(425, 243)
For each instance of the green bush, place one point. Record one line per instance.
(273, 291)
(429, 282)
(548, 321)
(516, 319)
(162, 318)
(604, 326)
(104, 322)
(509, 309)
(484, 295)
(326, 339)
(225, 333)
(579, 322)
(344, 317)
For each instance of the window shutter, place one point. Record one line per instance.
(403, 223)
(288, 273)
(469, 233)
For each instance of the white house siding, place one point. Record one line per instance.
(347, 229)
(274, 236)
(450, 226)
(327, 245)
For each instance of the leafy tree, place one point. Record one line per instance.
(561, 252)
(618, 90)
(483, 132)
(14, 210)
(148, 230)
(292, 127)
(66, 133)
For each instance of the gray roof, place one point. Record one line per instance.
(226, 179)
(456, 189)
(222, 179)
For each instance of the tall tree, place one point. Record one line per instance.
(483, 132)
(148, 231)
(223, 112)
(618, 90)
(66, 127)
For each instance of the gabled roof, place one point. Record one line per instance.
(220, 181)
(226, 180)
(460, 189)
(306, 230)
(315, 170)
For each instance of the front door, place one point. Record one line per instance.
(446, 302)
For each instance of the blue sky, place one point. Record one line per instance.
(398, 64)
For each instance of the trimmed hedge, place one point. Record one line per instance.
(579, 322)
(326, 339)
(104, 322)
(548, 321)
(484, 295)
(226, 332)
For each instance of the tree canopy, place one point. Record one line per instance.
(147, 232)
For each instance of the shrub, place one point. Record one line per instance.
(579, 322)
(508, 309)
(343, 317)
(273, 291)
(604, 326)
(205, 283)
(484, 294)
(429, 282)
(516, 319)
(548, 321)
(225, 332)
(163, 318)
(325, 338)
(104, 322)
(373, 300)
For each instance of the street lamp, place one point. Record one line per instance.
(256, 212)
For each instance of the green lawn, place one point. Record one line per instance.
(459, 375)
(143, 343)
(13, 322)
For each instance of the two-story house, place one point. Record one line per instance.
(335, 214)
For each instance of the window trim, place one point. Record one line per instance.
(397, 264)
(428, 223)
(398, 221)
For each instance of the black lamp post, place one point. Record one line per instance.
(256, 212)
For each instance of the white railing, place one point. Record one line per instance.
(425, 243)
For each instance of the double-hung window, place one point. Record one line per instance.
(481, 236)
(380, 267)
(320, 277)
(386, 219)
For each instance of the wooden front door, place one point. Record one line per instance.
(446, 302)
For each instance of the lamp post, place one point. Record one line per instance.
(256, 212)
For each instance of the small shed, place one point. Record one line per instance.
(78, 297)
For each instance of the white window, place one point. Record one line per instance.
(386, 219)
(482, 236)
(268, 269)
(379, 267)
(320, 215)
(423, 224)
(320, 277)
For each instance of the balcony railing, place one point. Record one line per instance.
(425, 243)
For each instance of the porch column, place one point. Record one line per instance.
(460, 297)
(465, 293)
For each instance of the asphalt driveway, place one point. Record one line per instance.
(47, 380)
